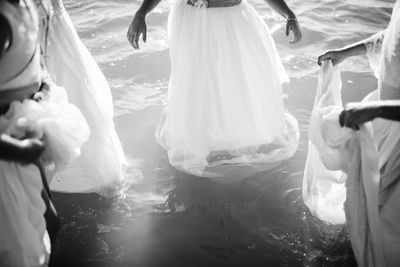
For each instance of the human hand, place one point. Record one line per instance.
(292, 25)
(137, 27)
(337, 56)
(353, 116)
(31, 150)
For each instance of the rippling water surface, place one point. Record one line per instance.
(171, 219)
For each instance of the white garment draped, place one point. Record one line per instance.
(340, 158)
(372, 203)
(225, 102)
(70, 65)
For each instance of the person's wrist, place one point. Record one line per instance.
(291, 16)
(140, 13)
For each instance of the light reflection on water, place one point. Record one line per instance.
(170, 218)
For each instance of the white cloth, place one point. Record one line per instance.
(340, 158)
(63, 130)
(323, 188)
(23, 228)
(225, 101)
(69, 63)
(383, 50)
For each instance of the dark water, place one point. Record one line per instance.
(168, 218)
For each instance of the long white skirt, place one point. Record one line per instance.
(71, 65)
(23, 235)
(23, 228)
(225, 95)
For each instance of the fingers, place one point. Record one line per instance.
(341, 118)
(136, 40)
(297, 36)
(128, 35)
(131, 38)
(134, 35)
(321, 59)
(287, 28)
(297, 33)
(349, 119)
(144, 33)
(324, 57)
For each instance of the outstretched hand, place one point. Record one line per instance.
(138, 27)
(292, 25)
(336, 56)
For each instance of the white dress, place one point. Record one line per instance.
(70, 65)
(24, 240)
(225, 101)
(373, 194)
(64, 130)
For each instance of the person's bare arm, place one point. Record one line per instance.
(282, 8)
(338, 55)
(292, 24)
(138, 25)
(358, 113)
(356, 49)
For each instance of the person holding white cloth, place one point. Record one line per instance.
(370, 170)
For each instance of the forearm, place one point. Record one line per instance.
(389, 111)
(384, 109)
(282, 8)
(356, 49)
(361, 48)
(147, 6)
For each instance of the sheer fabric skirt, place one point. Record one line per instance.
(225, 95)
(70, 64)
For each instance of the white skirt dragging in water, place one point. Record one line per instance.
(99, 168)
(225, 95)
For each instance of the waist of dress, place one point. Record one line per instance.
(213, 3)
(16, 94)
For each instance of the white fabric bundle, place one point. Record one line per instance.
(340, 158)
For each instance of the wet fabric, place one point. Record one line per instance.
(383, 51)
(69, 63)
(341, 178)
(225, 105)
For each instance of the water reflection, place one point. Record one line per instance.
(191, 221)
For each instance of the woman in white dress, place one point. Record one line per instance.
(225, 90)
(36, 123)
(70, 65)
(369, 158)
